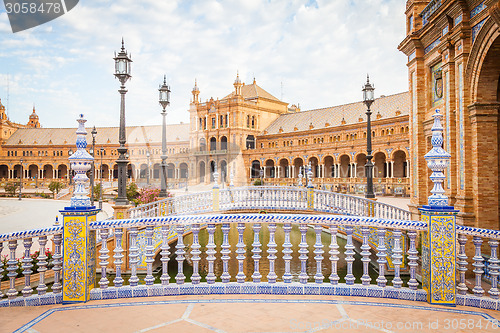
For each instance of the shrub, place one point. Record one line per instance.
(132, 191)
(55, 186)
(11, 187)
(257, 182)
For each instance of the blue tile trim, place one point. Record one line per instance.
(254, 301)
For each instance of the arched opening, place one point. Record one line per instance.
(143, 173)
(255, 169)
(269, 169)
(4, 171)
(379, 166)
(360, 165)
(17, 171)
(203, 145)
(223, 171)
(183, 170)
(201, 172)
(213, 143)
(170, 170)
(284, 168)
(33, 171)
(314, 166)
(105, 171)
(223, 143)
(399, 167)
(345, 166)
(62, 171)
(156, 170)
(297, 163)
(48, 171)
(250, 143)
(115, 171)
(212, 170)
(130, 171)
(329, 172)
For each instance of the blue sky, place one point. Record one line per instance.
(312, 53)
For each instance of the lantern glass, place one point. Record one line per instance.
(163, 96)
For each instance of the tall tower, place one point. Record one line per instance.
(237, 85)
(196, 93)
(34, 122)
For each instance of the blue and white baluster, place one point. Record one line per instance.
(256, 276)
(195, 252)
(318, 251)
(287, 253)
(493, 268)
(271, 250)
(118, 256)
(334, 254)
(412, 260)
(103, 283)
(303, 251)
(1, 267)
(382, 258)
(180, 252)
(211, 253)
(478, 266)
(397, 258)
(12, 269)
(349, 255)
(27, 265)
(240, 251)
(42, 265)
(149, 279)
(57, 261)
(133, 257)
(165, 255)
(365, 253)
(225, 251)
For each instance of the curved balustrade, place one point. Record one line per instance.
(283, 198)
(319, 271)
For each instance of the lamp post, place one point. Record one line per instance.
(147, 168)
(21, 181)
(368, 98)
(164, 100)
(100, 183)
(70, 152)
(122, 73)
(92, 172)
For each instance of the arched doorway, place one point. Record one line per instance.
(183, 170)
(48, 171)
(33, 171)
(345, 166)
(170, 170)
(143, 173)
(255, 169)
(201, 172)
(223, 171)
(203, 145)
(379, 165)
(284, 168)
(62, 171)
(329, 172)
(213, 143)
(297, 164)
(212, 170)
(4, 171)
(399, 168)
(360, 165)
(314, 166)
(223, 143)
(269, 169)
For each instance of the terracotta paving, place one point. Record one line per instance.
(249, 313)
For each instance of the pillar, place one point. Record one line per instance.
(407, 168)
(392, 169)
(439, 239)
(355, 167)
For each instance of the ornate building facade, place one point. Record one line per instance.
(453, 50)
(249, 133)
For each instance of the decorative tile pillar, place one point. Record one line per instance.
(310, 188)
(438, 243)
(79, 242)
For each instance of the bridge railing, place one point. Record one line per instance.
(270, 198)
(318, 271)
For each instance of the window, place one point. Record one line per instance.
(253, 122)
(221, 124)
(248, 121)
(213, 122)
(227, 121)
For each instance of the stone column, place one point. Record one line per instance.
(79, 267)
(439, 240)
(392, 169)
(407, 168)
(355, 167)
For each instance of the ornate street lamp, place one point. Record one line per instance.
(164, 100)
(92, 172)
(100, 184)
(70, 152)
(122, 73)
(368, 99)
(21, 181)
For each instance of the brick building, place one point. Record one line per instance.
(453, 50)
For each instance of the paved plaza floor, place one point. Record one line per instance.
(249, 313)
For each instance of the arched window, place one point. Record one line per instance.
(253, 122)
(250, 143)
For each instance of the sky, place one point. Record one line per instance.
(312, 53)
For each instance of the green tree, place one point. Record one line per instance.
(97, 191)
(11, 187)
(55, 186)
(132, 191)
